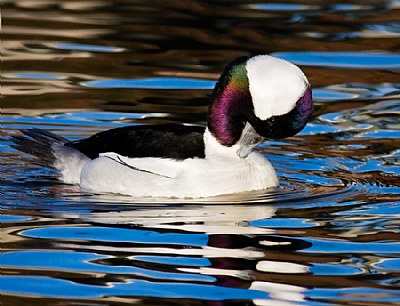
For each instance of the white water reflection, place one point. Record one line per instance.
(210, 219)
(281, 294)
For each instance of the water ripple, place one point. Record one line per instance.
(83, 47)
(86, 262)
(50, 287)
(356, 60)
(114, 234)
(152, 83)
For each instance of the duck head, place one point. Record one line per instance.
(258, 98)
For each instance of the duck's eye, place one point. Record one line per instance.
(271, 121)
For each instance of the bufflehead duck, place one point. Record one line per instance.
(256, 98)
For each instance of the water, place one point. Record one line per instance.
(328, 236)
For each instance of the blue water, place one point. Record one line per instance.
(329, 235)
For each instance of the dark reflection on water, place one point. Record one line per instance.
(329, 235)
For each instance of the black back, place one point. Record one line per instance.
(167, 141)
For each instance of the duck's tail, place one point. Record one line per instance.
(39, 143)
(52, 151)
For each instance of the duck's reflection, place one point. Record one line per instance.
(209, 219)
(233, 251)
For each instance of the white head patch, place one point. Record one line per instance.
(275, 85)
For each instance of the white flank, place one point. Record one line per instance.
(69, 162)
(221, 172)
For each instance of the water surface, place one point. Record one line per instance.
(329, 235)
